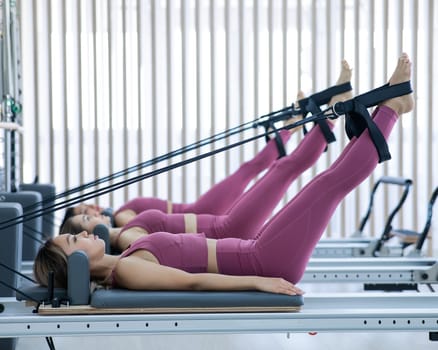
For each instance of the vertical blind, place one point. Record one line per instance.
(110, 84)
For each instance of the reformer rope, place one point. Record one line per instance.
(17, 272)
(107, 189)
(30, 232)
(358, 119)
(7, 285)
(267, 121)
(281, 114)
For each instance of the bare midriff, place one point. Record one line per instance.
(190, 223)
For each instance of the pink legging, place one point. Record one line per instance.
(252, 209)
(221, 196)
(284, 245)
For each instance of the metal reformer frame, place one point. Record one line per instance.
(339, 312)
(403, 273)
(353, 312)
(360, 312)
(393, 273)
(360, 246)
(10, 90)
(346, 312)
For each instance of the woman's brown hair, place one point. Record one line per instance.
(50, 258)
(70, 227)
(68, 214)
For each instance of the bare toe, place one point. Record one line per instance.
(402, 73)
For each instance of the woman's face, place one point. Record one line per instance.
(87, 209)
(92, 245)
(89, 222)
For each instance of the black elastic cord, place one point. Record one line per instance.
(19, 291)
(17, 272)
(211, 139)
(31, 233)
(64, 204)
(355, 107)
(50, 343)
(116, 186)
(282, 113)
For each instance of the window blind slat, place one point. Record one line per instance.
(123, 81)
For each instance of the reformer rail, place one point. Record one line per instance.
(372, 270)
(360, 246)
(368, 247)
(357, 312)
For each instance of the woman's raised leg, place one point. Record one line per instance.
(286, 243)
(253, 208)
(218, 199)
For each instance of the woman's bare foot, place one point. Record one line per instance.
(297, 117)
(402, 73)
(344, 77)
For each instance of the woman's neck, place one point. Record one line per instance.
(101, 270)
(114, 235)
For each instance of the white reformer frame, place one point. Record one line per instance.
(374, 247)
(354, 248)
(360, 246)
(372, 270)
(358, 312)
(339, 312)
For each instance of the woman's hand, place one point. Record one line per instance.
(277, 285)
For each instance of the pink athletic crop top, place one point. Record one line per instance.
(187, 252)
(143, 203)
(155, 221)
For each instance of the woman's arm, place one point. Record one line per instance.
(136, 273)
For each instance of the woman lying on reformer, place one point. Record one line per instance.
(222, 196)
(272, 261)
(269, 190)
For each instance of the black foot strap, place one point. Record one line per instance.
(312, 108)
(312, 105)
(278, 141)
(357, 117)
(323, 97)
(307, 105)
